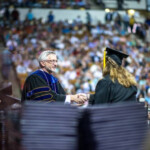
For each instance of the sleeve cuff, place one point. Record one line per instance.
(67, 100)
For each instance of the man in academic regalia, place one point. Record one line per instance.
(118, 84)
(41, 85)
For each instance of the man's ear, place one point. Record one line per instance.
(42, 63)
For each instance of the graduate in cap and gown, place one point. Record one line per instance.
(42, 85)
(117, 84)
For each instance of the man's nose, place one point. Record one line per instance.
(55, 63)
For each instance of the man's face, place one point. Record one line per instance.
(50, 63)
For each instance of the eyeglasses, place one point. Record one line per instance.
(51, 61)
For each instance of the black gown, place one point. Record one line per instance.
(108, 91)
(39, 87)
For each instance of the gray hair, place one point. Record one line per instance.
(44, 54)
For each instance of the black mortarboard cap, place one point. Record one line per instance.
(116, 55)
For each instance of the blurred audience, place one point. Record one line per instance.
(50, 17)
(79, 49)
(30, 15)
(6, 64)
(74, 4)
(131, 22)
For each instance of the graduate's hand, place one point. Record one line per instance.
(79, 98)
(82, 96)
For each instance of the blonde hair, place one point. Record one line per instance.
(118, 73)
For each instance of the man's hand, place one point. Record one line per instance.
(79, 98)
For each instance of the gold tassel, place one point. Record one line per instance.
(104, 59)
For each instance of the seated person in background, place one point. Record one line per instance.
(41, 85)
(117, 84)
(147, 97)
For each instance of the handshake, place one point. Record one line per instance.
(80, 98)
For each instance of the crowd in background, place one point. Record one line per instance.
(79, 47)
(58, 4)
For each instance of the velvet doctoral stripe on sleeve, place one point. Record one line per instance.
(35, 88)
